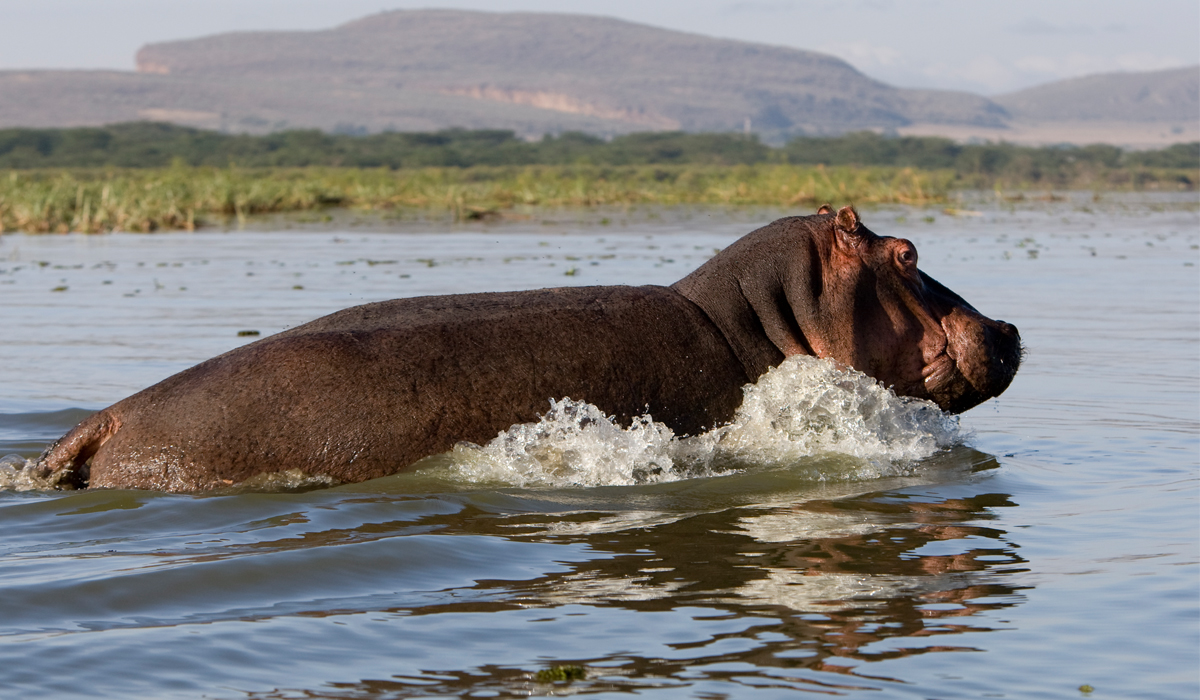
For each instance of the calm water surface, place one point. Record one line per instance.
(1056, 548)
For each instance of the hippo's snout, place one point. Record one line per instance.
(986, 355)
(1003, 343)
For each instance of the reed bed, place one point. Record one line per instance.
(184, 198)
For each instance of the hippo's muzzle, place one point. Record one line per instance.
(980, 359)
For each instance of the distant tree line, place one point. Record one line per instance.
(155, 145)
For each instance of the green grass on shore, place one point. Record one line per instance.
(185, 197)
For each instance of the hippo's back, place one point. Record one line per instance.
(369, 390)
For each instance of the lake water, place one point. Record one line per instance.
(1047, 549)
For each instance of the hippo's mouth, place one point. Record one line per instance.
(947, 386)
(938, 372)
(976, 362)
(942, 378)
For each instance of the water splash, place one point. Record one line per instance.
(574, 443)
(808, 407)
(805, 414)
(16, 474)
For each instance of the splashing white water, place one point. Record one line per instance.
(806, 408)
(573, 444)
(16, 474)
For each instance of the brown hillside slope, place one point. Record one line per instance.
(1159, 96)
(92, 98)
(1151, 109)
(428, 69)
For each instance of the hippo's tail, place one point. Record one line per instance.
(65, 462)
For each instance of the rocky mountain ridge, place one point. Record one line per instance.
(534, 73)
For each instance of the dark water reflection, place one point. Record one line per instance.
(821, 599)
(781, 585)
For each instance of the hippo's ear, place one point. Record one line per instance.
(846, 227)
(846, 220)
(825, 209)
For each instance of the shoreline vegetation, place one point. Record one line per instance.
(185, 198)
(153, 177)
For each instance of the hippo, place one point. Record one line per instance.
(369, 391)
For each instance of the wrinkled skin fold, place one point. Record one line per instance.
(828, 286)
(368, 391)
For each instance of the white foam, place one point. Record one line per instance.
(574, 443)
(807, 407)
(806, 415)
(16, 474)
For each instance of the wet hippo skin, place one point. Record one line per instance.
(368, 391)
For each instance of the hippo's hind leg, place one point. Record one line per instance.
(65, 462)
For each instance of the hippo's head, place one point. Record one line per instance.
(827, 286)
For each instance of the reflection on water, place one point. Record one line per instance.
(785, 584)
(819, 581)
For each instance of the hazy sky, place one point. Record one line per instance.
(987, 46)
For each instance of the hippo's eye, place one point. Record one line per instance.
(907, 256)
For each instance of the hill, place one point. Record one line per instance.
(533, 73)
(1159, 96)
(536, 73)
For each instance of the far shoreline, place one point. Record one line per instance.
(189, 198)
(961, 203)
